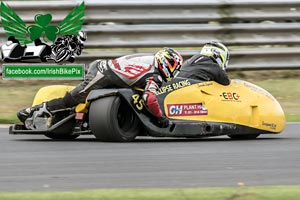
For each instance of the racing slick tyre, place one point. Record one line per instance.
(113, 120)
(244, 137)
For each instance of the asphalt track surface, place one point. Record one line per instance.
(35, 163)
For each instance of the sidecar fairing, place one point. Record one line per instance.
(196, 109)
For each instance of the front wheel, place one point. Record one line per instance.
(113, 120)
(61, 136)
(65, 131)
(244, 137)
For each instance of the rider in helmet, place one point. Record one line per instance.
(169, 63)
(146, 71)
(209, 65)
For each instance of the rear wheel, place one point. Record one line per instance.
(113, 120)
(244, 137)
(65, 131)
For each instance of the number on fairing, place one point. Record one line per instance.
(138, 101)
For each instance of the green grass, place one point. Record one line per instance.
(16, 95)
(287, 92)
(217, 193)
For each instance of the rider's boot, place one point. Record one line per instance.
(48, 107)
(27, 112)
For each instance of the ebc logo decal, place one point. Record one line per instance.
(188, 109)
(230, 96)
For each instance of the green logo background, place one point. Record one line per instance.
(15, 26)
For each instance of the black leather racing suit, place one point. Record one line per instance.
(204, 68)
(132, 71)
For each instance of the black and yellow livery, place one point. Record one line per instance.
(196, 109)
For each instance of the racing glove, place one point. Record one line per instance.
(163, 121)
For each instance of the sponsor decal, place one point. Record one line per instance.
(186, 109)
(270, 125)
(230, 96)
(204, 84)
(173, 86)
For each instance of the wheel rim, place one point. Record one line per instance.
(126, 118)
